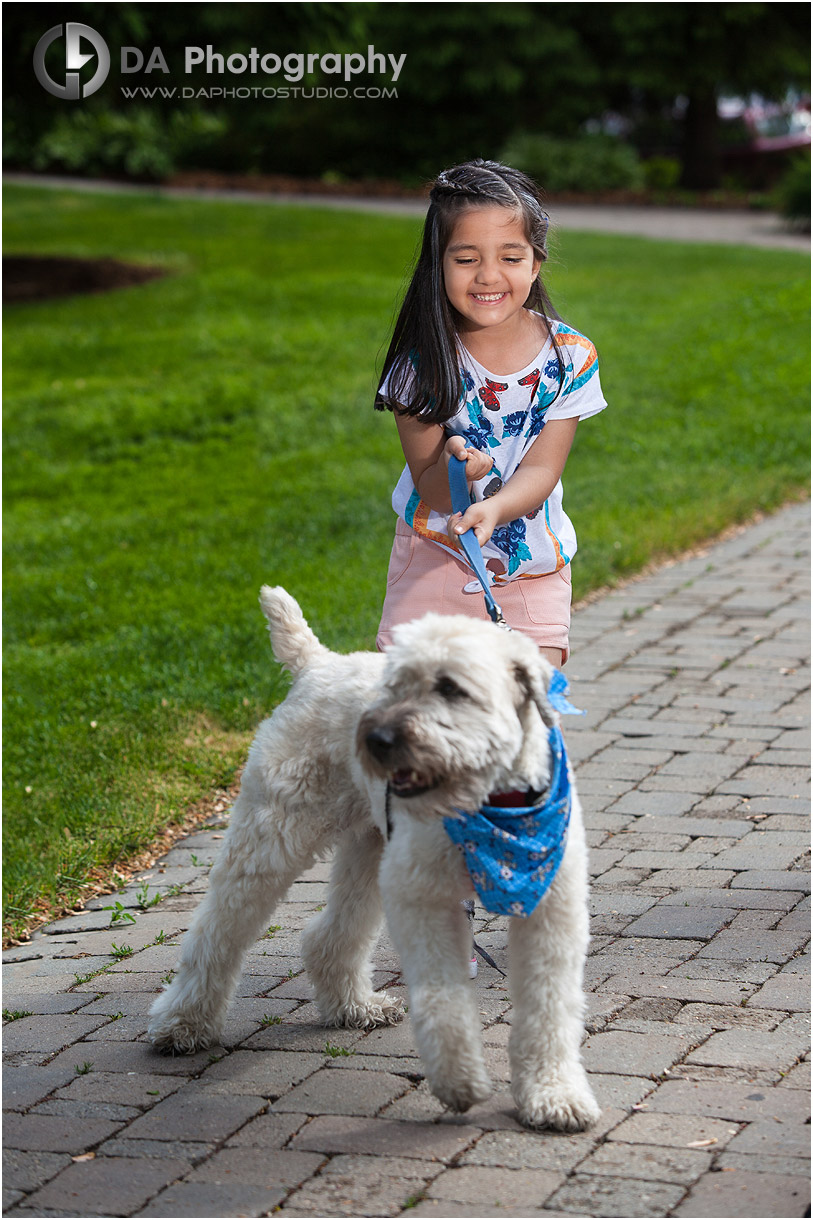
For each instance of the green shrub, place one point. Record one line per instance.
(139, 144)
(590, 163)
(793, 192)
(662, 173)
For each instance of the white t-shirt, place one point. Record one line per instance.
(502, 415)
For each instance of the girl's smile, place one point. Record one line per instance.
(488, 268)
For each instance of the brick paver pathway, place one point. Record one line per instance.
(693, 770)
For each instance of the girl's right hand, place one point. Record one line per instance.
(477, 464)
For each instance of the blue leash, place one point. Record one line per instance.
(512, 854)
(461, 500)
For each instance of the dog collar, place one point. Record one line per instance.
(512, 854)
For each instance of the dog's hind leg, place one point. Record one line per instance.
(546, 955)
(432, 934)
(249, 878)
(338, 942)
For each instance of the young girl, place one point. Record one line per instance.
(481, 366)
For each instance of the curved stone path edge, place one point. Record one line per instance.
(707, 225)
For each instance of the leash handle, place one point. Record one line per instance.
(461, 500)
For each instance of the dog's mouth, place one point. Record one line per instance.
(407, 783)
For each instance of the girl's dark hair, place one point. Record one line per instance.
(422, 366)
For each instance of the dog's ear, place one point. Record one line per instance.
(533, 676)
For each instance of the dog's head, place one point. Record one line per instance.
(462, 711)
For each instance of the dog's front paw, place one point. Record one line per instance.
(462, 1095)
(176, 1030)
(179, 1038)
(378, 1009)
(386, 1009)
(560, 1106)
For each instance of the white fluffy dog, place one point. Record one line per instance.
(454, 710)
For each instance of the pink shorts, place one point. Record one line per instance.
(423, 577)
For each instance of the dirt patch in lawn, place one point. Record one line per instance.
(30, 277)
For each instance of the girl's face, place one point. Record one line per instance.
(489, 267)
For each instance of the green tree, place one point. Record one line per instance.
(655, 56)
(314, 25)
(473, 74)
(476, 73)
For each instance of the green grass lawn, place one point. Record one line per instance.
(171, 447)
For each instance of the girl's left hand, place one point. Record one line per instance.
(482, 517)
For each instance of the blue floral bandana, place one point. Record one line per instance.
(557, 696)
(513, 854)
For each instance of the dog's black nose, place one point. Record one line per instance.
(381, 741)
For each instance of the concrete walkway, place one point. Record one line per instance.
(693, 770)
(714, 226)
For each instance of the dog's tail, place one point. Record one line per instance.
(294, 644)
